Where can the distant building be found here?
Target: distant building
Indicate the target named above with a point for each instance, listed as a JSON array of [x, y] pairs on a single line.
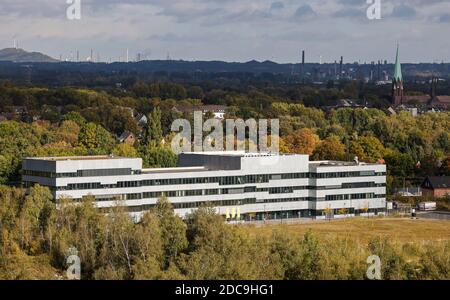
[[409, 192], [438, 186], [392, 111], [141, 119], [127, 137], [217, 110], [399, 98]]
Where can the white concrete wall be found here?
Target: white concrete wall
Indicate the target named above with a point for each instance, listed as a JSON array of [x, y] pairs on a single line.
[[249, 166]]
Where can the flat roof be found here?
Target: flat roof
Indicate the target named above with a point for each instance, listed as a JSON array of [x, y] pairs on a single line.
[[75, 158], [174, 170], [241, 153], [330, 163]]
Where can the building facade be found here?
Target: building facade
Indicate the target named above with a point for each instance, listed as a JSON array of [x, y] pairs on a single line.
[[239, 185], [399, 98], [436, 186]]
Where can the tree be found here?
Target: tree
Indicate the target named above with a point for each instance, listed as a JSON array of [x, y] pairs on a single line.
[[328, 212], [95, 139], [68, 132], [154, 133], [445, 167], [302, 141], [173, 230], [365, 209], [148, 244], [157, 157], [330, 149], [368, 148], [125, 150], [392, 263], [75, 117]]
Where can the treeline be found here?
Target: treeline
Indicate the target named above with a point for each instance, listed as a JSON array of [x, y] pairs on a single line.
[[36, 239], [412, 147], [73, 136]]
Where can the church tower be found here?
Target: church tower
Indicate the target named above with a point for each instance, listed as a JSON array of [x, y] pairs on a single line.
[[397, 82]]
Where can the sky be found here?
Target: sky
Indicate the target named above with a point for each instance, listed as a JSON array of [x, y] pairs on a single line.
[[231, 30]]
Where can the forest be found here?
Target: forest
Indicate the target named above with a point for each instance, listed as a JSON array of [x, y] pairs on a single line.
[[36, 238], [74, 121]]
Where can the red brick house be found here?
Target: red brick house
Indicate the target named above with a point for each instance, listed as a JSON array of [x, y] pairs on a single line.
[[438, 186], [127, 138]]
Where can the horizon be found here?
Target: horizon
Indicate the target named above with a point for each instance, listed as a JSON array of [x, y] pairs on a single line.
[[225, 61], [234, 31]]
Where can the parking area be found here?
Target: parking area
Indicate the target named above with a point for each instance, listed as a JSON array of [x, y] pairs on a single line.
[[437, 215]]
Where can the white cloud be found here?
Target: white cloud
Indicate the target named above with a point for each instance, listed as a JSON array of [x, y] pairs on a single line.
[[235, 30]]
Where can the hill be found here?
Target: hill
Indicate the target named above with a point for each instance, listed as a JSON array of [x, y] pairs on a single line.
[[20, 55]]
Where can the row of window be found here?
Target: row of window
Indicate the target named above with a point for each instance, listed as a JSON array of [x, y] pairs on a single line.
[[219, 203], [274, 190], [353, 196], [267, 215], [137, 196], [83, 173], [226, 180]]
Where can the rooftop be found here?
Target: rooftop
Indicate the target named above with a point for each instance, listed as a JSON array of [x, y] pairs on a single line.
[[239, 153], [333, 163], [174, 170], [74, 158]]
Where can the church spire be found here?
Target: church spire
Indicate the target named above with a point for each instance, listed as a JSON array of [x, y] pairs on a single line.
[[398, 67], [397, 82]]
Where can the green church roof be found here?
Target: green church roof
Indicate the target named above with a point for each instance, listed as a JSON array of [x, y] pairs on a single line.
[[398, 68]]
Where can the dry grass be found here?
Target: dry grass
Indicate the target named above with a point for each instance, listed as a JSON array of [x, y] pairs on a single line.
[[363, 229]]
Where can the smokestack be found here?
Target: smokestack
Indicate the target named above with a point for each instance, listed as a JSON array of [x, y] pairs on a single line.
[[341, 66], [302, 71], [335, 69], [379, 70]]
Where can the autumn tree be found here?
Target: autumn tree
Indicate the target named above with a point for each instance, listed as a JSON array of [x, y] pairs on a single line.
[[302, 141], [173, 230], [330, 149], [95, 139], [367, 148]]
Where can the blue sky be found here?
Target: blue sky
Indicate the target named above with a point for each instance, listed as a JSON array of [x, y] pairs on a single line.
[[231, 30]]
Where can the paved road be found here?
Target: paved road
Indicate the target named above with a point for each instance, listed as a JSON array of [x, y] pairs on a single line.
[[439, 215]]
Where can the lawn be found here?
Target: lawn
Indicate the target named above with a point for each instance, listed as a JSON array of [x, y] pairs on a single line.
[[362, 229]]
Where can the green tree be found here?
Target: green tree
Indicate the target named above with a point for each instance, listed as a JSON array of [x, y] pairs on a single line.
[[173, 230], [125, 150], [330, 149], [154, 132], [75, 117], [95, 139], [157, 157], [368, 148]]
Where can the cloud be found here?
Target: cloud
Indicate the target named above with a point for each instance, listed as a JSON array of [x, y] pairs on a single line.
[[228, 29], [403, 11], [349, 12], [277, 5], [304, 12], [445, 18]]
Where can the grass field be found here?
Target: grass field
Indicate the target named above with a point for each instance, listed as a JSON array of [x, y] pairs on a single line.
[[362, 229]]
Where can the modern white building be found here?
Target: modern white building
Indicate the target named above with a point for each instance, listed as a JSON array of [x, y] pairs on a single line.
[[239, 185]]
